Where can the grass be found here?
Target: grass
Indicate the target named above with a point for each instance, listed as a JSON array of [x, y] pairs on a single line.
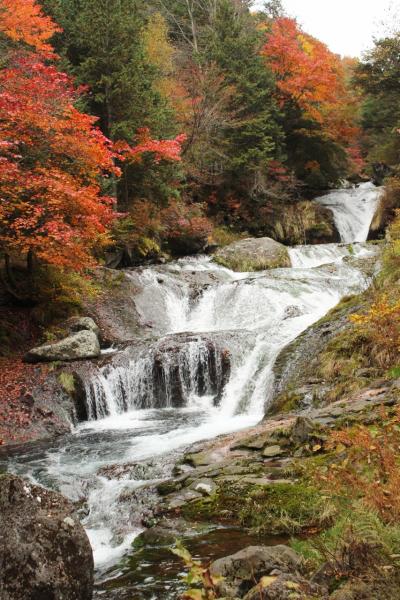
[[67, 382]]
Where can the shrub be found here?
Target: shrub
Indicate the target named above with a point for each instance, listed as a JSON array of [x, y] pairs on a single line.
[[370, 469]]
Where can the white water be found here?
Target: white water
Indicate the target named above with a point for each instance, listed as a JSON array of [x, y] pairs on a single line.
[[353, 210], [249, 316]]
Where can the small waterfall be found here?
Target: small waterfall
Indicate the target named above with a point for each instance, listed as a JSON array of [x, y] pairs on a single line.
[[203, 367], [353, 210], [172, 373]]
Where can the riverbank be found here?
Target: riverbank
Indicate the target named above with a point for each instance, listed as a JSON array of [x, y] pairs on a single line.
[[195, 363]]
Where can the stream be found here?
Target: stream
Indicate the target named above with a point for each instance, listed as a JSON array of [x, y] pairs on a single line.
[[205, 369]]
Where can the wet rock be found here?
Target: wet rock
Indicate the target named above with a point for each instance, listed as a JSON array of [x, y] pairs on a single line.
[[256, 442], [114, 311], [173, 376], [81, 345], [157, 536], [291, 312], [148, 470], [44, 551], [253, 254], [241, 570], [199, 459], [179, 499]]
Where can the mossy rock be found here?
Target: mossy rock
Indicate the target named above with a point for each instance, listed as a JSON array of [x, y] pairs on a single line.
[[253, 254]]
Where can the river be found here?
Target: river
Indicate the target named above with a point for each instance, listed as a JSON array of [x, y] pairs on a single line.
[[244, 319]]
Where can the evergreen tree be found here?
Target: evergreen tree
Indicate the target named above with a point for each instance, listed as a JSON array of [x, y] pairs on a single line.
[[252, 138], [103, 45]]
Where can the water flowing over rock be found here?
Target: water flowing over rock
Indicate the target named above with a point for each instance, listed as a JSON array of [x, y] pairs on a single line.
[[173, 372], [353, 210], [253, 254], [44, 550], [203, 342]]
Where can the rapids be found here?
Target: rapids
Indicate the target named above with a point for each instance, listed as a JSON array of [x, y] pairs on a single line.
[[177, 387]]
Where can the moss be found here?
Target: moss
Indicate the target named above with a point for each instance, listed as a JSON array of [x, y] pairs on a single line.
[[287, 402], [223, 236], [344, 306], [224, 505], [67, 381], [247, 265], [282, 507]]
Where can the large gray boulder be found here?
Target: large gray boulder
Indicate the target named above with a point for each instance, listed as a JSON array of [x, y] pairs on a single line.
[[242, 570], [253, 254], [45, 553], [84, 344]]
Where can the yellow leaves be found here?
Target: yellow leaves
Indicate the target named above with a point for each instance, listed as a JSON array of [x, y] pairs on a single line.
[[198, 574], [380, 326], [267, 581]]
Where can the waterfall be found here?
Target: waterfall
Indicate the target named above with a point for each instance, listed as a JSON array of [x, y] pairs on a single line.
[[172, 373], [203, 367], [353, 210], [253, 315]]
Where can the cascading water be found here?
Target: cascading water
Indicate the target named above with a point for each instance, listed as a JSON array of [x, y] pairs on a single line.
[[353, 210], [205, 367]]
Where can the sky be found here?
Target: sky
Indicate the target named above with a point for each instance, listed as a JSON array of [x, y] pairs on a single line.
[[346, 26]]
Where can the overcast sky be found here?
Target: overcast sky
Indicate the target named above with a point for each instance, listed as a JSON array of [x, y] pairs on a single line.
[[347, 26]]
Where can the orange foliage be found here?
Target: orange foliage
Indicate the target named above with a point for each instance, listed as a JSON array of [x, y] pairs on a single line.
[[381, 325], [371, 468], [23, 21], [312, 77], [53, 157]]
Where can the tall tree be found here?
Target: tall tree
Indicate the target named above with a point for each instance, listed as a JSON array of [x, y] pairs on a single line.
[[52, 155], [379, 77], [319, 124]]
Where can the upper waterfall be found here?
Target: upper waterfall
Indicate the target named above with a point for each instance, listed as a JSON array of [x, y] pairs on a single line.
[[353, 210]]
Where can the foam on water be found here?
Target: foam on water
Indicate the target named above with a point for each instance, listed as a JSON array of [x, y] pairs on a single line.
[[353, 210], [251, 316]]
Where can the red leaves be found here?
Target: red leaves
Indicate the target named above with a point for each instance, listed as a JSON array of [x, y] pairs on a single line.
[[15, 400], [160, 149], [312, 77], [51, 160], [53, 157]]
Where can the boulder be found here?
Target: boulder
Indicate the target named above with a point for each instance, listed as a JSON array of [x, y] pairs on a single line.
[[83, 324], [84, 344], [45, 553], [240, 571], [286, 587], [253, 254]]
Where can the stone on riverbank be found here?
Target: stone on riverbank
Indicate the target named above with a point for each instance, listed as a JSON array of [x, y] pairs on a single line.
[[242, 570], [253, 254], [44, 550], [83, 324], [81, 345]]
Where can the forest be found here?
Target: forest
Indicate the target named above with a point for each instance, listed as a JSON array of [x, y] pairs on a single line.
[[142, 144], [135, 130]]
